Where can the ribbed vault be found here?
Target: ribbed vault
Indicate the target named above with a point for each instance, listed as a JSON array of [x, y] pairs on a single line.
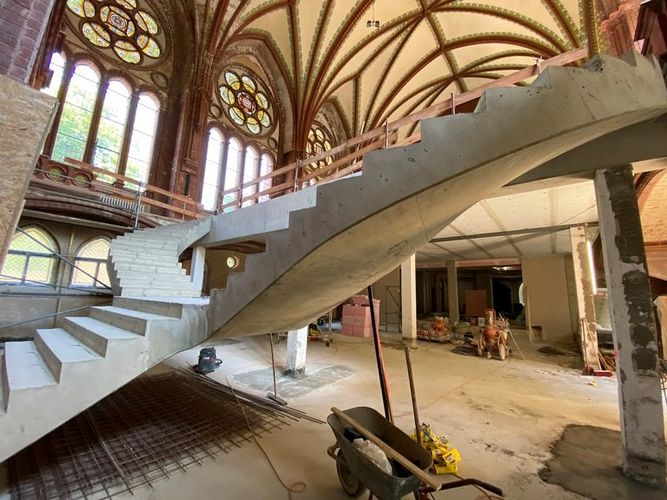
[[423, 51]]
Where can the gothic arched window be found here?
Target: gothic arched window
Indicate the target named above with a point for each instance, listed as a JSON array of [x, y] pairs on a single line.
[[91, 264], [210, 188], [31, 258]]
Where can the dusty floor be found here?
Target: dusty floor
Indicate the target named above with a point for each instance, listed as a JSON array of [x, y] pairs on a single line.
[[502, 416]]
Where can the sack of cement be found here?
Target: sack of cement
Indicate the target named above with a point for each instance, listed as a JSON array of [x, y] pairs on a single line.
[[373, 453]]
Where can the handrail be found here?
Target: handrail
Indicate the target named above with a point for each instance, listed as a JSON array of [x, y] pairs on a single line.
[[196, 206], [384, 136]]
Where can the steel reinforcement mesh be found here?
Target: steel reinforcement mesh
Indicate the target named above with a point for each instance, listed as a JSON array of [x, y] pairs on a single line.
[[148, 430]]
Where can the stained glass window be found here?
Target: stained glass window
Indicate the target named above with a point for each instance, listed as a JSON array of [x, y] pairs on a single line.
[[209, 197], [120, 24], [319, 141], [91, 262], [247, 105]]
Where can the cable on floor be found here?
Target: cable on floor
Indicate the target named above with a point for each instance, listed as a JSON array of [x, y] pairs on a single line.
[[297, 487]]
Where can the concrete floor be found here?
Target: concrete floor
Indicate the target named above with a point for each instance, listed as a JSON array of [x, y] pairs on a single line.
[[502, 416]]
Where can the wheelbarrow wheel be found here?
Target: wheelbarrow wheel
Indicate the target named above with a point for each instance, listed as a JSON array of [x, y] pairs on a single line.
[[352, 486]]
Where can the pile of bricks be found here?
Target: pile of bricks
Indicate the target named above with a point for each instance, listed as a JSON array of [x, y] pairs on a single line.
[[357, 316]]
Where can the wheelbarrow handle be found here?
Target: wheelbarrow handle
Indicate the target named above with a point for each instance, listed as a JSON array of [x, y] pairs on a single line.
[[473, 481], [331, 450]]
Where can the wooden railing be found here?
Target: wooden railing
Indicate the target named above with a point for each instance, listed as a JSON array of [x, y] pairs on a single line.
[[346, 158], [84, 178]]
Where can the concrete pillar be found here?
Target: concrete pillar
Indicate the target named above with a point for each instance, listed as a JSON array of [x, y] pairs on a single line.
[[197, 267], [297, 342], [25, 119], [633, 325], [583, 283], [452, 293], [409, 301], [661, 304]]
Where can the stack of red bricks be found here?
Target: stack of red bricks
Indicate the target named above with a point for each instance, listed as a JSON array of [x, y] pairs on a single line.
[[357, 316]]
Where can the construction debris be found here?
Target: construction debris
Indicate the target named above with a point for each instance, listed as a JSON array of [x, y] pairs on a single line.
[[433, 329]]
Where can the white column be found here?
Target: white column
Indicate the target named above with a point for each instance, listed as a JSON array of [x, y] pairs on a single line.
[[197, 267], [452, 293], [583, 283], [297, 342], [633, 326], [409, 301]]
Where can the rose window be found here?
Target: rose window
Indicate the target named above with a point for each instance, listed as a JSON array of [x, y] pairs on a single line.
[[120, 25], [318, 142], [247, 105]]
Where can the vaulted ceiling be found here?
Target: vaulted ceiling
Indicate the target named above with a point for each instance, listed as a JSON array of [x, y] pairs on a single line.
[[422, 51]]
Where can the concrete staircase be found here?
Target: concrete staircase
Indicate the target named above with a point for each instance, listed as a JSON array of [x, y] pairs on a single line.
[[156, 313], [145, 263], [364, 226], [322, 244]]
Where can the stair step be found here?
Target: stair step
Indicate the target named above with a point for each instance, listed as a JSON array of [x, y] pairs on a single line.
[[127, 319], [160, 244], [158, 292], [94, 333], [164, 308], [167, 268], [120, 252], [59, 348], [25, 368], [146, 259], [170, 281]]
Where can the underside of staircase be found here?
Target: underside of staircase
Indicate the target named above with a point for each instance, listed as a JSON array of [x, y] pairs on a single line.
[[322, 244]]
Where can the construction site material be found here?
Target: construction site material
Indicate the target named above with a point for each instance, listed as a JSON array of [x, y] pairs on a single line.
[[208, 361], [413, 393], [148, 430], [274, 396], [356, 318], [433, 330], [493, 338], [379, 358], [393, 442], [445, 458]]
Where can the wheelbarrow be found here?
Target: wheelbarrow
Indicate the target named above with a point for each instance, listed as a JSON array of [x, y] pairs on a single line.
[[357, 473]]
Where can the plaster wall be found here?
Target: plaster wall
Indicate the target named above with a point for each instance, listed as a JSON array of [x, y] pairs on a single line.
[[545, 280]]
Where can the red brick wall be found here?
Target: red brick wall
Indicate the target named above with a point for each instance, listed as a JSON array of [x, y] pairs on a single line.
[[22, 25]]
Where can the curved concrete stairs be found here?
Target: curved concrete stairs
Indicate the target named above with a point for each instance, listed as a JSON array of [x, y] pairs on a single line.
[[145, 263], [156, 313], [323, 244], [364, 226]]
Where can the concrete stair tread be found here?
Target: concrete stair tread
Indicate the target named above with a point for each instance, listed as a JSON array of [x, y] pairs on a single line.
[[132, 313], [65, 347], [26, 369], [102, 329]]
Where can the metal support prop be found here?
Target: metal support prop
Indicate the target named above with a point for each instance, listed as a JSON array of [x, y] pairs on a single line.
[[137, 207], [386, 134], [413, 394], [384, 387], [297, 169], [453, 97]]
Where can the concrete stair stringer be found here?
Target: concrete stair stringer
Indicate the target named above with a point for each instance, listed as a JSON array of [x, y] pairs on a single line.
[[364, 226]]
